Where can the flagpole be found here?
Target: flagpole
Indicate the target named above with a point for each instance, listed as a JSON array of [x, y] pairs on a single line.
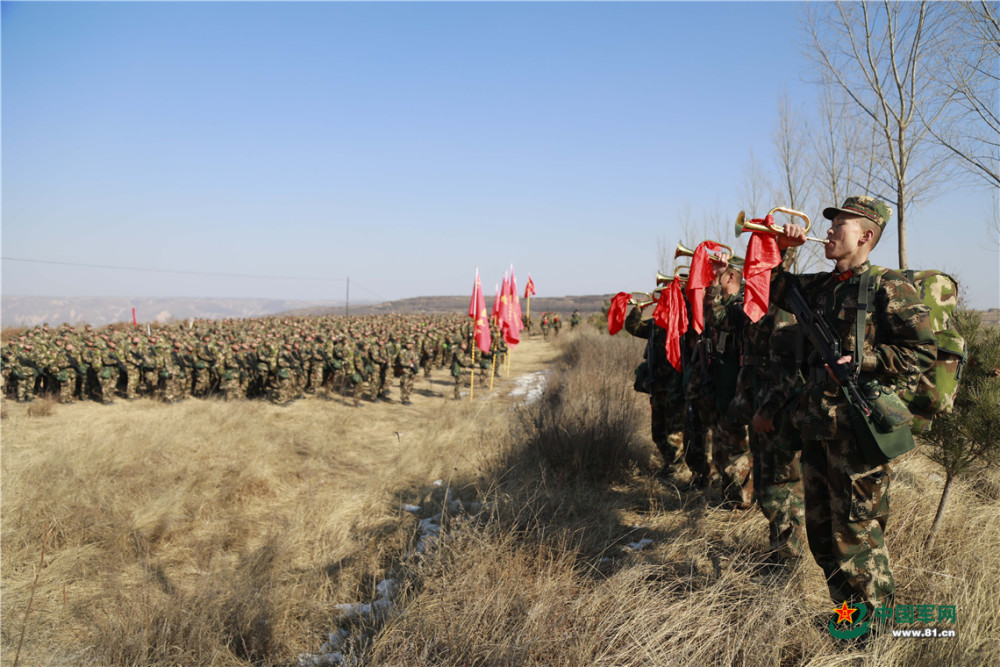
[[493, 369], [472, 373]]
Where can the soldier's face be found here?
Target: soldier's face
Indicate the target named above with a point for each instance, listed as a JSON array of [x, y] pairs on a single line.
[[844, 236]]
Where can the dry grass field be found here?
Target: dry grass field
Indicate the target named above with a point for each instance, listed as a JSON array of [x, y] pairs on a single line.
[[212, 533]]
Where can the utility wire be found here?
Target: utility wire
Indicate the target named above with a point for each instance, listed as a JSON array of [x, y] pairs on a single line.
[[182, 272]]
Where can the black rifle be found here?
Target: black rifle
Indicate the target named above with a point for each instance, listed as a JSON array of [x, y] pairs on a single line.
[[827, 344]]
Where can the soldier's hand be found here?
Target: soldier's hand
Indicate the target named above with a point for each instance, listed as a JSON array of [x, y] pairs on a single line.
[[762, 424], [792, 236], [846, 359]]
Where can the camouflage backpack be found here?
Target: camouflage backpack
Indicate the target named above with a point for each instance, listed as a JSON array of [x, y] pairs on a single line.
[[935, 390]]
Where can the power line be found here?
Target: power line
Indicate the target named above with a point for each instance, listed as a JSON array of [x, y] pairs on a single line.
[[183, 272]]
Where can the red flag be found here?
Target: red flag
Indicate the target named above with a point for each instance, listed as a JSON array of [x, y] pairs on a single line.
[[677, 321], [477, 294], [504, 311], [762, 256], [616, 313], [661, 314], [512, 330], [530, 287], [516, 310], [482, 331], [700, 277], [495, 314]]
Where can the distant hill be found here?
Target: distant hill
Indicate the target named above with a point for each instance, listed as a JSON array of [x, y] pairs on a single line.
[[460, 304], [19, 311], [28, 311]]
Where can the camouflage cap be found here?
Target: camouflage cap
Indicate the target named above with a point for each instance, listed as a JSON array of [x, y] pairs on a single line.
[[867, 207]]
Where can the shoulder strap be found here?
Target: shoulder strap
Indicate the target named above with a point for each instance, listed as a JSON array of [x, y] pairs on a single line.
[[861, 320]]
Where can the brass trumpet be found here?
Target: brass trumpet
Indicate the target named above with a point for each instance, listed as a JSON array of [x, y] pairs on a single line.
[[681, 251], [742, 224], [636, 300]]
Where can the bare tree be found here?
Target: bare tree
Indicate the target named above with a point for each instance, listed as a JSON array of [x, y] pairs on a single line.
[[972, 130], [755, 187], [887, 59], [796, 174]]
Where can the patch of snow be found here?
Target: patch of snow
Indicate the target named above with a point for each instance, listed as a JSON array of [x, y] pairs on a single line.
[[530, 385], [640, 545]]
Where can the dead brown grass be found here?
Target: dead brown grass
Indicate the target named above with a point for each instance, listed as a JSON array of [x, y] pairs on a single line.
[[224, 533]]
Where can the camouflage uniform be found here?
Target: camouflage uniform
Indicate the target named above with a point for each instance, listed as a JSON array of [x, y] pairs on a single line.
[[666, 393], [362, 376], [700, 407], [205, 360], [407, 364], [847, 500], [230, 360], [460, 359], [284, 389], [133, 368], [174, 374], [60, 372], [769, 380], [730, 447], [108, 376]]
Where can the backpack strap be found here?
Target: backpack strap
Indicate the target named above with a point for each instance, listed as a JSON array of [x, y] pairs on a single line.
[[861, 319]]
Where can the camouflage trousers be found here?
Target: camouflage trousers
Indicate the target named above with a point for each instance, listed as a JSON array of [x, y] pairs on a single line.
[[698, 437], [362, 387], [65, 381], [666, 417], [201, 384], [230, 385], [315, 380], [174, 383], [282, 390], [24, 384], [732, 458], [405, 386], [778, 487], [133, 380], [847, 505], [107, 378]]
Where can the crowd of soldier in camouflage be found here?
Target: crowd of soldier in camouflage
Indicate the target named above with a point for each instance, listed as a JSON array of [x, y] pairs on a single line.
[[277, 359], [550, 323], [764, 419]]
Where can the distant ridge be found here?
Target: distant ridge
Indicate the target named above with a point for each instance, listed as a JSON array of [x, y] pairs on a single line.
[[27, 311], [459, 304]]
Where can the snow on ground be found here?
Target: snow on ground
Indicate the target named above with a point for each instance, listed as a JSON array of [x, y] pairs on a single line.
[[530, 385], [330, 654]]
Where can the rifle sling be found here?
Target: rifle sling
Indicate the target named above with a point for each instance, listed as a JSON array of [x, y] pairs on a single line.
[[861, 320]]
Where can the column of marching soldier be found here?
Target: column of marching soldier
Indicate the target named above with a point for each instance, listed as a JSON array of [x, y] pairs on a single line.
[[276, 359], [757, 411]]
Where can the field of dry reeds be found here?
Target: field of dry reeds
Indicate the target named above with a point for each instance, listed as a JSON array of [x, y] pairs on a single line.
[[511, 531]]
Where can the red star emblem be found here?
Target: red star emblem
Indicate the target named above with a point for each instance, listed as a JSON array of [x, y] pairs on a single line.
[[844, 613]]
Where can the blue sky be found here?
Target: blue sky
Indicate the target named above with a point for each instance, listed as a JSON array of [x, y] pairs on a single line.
[[400, 144]]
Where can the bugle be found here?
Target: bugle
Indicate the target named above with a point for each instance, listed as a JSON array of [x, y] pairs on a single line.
[[644, 299], [743, 225], [682, 251]]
